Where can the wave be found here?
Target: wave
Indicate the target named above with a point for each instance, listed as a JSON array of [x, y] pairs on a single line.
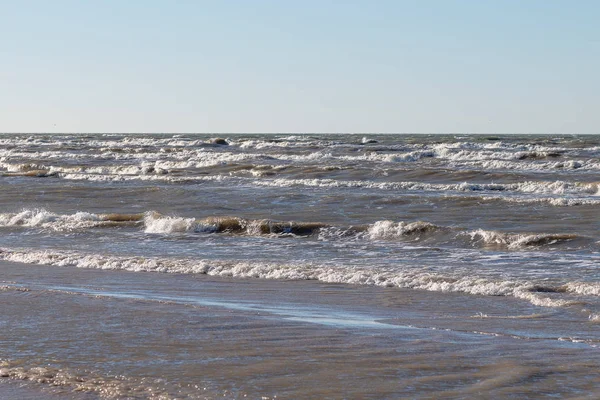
[[82, 142], [556, 193], [527, 187], [548, 166], [379, 230], [41, 218], [195, 160], [286, 148], [391, 229], [415, 278], [583, 288], [289, 142], [553, 201], [152, 222], [157, 223], [187, 159], [519, 240], [175, 140]]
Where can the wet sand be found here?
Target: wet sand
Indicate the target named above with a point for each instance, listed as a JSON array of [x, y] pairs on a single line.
[[116, 334], [10, 389]]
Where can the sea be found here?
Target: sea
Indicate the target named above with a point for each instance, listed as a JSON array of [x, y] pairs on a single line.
[[305, 266]]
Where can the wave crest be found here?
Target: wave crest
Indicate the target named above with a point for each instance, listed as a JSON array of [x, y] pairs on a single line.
[[391, 229], [415, 278], [517, 240]]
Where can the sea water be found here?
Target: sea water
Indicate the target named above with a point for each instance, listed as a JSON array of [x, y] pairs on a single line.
[[300, 266]]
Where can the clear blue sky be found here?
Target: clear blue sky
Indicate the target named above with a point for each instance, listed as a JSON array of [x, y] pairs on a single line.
[[300, 66]]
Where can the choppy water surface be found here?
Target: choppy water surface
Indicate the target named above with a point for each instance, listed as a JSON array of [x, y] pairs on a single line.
[[242, 266]]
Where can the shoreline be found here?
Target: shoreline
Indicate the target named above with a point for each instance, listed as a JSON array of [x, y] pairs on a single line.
[[26, 390], [144, 333]]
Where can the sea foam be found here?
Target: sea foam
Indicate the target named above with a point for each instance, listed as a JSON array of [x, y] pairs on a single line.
[[414, 278]]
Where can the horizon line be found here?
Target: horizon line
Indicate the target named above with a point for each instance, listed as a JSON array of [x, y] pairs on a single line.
[[293, 133]]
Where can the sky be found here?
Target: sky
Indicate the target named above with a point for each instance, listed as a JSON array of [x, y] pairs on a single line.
[[273, 66]]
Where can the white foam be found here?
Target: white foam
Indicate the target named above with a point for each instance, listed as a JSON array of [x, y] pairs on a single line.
[[415, 278], [538, 300], [528, 187], [126, 178], [80, 381], [553, 201], [517, 240], [155, 223], [538, 166], [143, 163], [594, 318], [391, 229], [584, 288], [287, 142], [48, 220]]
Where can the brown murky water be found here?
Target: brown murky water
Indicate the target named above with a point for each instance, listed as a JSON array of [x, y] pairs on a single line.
[[299, 267], [127, 335]]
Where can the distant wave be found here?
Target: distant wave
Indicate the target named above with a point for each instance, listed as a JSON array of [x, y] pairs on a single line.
[[192, 152], [261, 175], [535, 187]]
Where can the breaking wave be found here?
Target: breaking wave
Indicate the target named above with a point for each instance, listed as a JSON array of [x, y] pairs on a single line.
[[540, 187], [41, 218], [391, 229], [379, 230], [415, 278], [152, 222], [555, 193], [518, 241], [157, 223]]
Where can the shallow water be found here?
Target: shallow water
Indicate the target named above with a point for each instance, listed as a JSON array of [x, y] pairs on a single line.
[[121, 334], [301, 266]]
